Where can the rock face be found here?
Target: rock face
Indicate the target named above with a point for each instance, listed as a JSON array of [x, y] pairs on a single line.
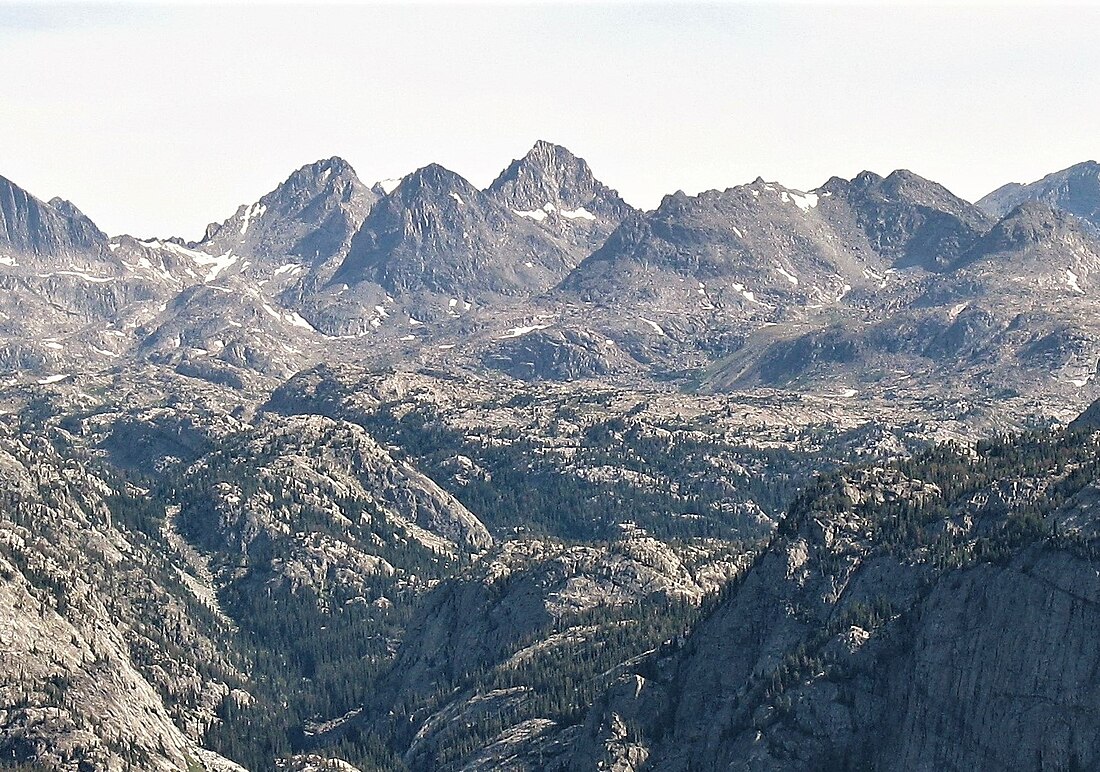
[[909, 220], [752, 248], [32, 228], [308, 219], [89, 613], [1075, 190], [557, 190], [566, 354], [437, 232], [525, 603], [851, 645]]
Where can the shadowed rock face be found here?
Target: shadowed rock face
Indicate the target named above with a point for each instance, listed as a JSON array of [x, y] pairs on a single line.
[[438, 233], [909, 220], [557, 190], [309, 218], [33, 228], [1075, 190]]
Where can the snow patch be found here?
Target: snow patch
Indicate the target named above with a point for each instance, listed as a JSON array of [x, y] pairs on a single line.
[[580, 213], [1071, 280], [517, 332], [746, 294], [536, 214], [844, 394], [787, 274], [214, 266], [656, 327], [805, 201], [953, 314], [253, 212], [54, 378]]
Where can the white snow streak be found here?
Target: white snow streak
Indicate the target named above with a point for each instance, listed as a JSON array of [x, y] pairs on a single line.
[[517, 332], [656, 327], [80, 275], [1071, 280], [254, 211], [789, 276], [579, 213], [295, 319], [537, 214]]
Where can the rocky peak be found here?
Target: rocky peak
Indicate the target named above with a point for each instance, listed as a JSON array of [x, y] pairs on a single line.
[[433, 181], [550, 174], [438, 232], [1075, 190], [1030, 223], [557, 190], [910, 220], [311, 215], [30, 226]]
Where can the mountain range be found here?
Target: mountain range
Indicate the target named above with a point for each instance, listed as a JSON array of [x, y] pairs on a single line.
[[413, 475]]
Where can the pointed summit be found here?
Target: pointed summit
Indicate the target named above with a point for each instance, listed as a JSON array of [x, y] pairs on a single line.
[[436, 232], [556, 189], [30, 226], [311, 216], [433, 179], [551, 174]]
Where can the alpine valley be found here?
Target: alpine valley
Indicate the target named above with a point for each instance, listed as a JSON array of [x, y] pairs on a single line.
[[420, 476]]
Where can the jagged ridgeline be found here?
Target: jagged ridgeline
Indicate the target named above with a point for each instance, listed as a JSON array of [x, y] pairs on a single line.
[[421, 476]]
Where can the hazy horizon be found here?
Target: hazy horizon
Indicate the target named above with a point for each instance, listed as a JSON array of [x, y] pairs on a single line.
[[156, 120]]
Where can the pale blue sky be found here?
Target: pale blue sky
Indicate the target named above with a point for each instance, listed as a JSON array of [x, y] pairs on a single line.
[[158, 119]]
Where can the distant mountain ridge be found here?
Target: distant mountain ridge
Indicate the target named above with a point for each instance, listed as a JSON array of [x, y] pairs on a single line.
[[1075, 190], [549, 274]]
